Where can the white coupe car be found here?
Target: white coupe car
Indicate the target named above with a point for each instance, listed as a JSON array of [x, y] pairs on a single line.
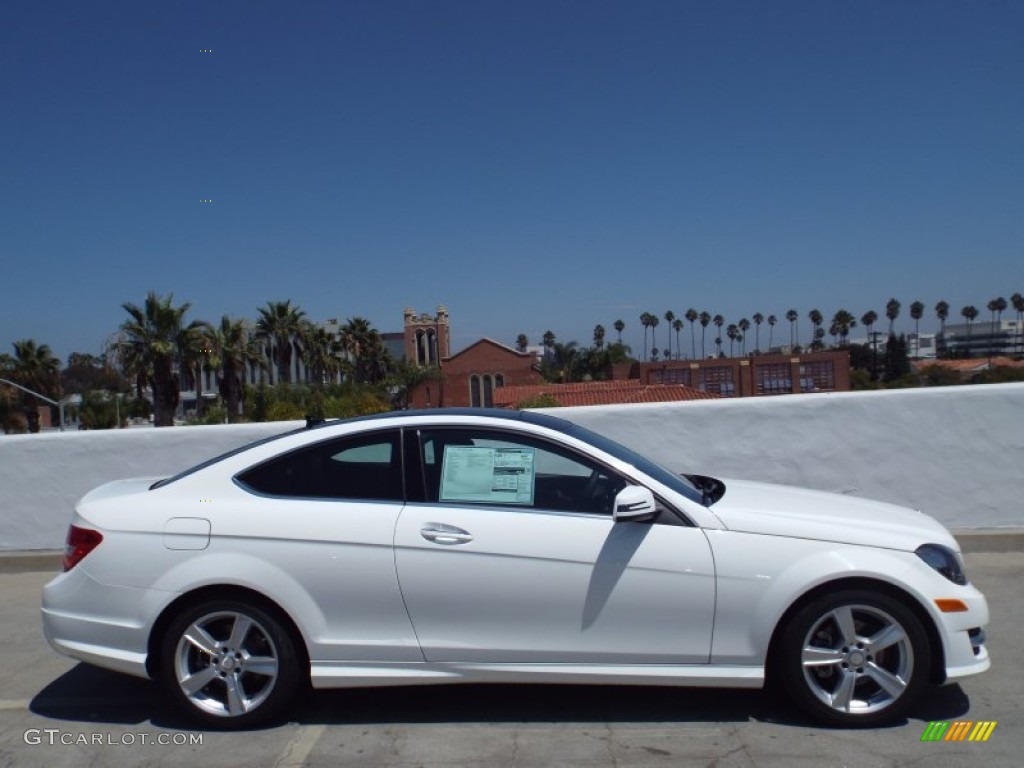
[[453, 546]]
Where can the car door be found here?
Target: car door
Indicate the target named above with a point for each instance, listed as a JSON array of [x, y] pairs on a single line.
[[324, 516], [512, 556]]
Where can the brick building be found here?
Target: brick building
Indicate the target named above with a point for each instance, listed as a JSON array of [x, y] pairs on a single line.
[[749, 376], [470, 377]]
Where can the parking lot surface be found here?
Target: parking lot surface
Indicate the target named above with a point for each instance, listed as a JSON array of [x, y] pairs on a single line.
[[55, 712]]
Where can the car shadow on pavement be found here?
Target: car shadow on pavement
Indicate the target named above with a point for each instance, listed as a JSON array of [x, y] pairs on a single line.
[[89, 694]]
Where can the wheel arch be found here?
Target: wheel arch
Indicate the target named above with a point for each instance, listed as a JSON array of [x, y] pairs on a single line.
[[937, 672], [221, 592]]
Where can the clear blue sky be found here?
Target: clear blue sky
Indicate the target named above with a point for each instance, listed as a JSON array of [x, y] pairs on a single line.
[[532, 165]]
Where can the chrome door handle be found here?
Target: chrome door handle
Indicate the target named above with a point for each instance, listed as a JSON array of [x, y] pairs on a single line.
[[439, 533]]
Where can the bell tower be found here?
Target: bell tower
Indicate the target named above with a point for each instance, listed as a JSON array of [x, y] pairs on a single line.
[[427, 339]]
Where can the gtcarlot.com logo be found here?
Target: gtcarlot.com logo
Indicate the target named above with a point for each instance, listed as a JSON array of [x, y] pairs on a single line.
[[958, 730], [53, 736]]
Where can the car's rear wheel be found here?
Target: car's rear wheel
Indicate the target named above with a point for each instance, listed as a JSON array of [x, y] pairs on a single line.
[[229, 663], [854, 658]]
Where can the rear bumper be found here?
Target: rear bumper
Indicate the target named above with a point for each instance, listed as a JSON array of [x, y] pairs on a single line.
[[97, 623]]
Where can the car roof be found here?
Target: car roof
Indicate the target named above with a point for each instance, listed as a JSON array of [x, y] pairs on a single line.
[[530, 417]]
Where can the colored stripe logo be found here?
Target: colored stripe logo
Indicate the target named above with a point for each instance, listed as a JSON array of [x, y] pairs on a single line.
[[958, 730]]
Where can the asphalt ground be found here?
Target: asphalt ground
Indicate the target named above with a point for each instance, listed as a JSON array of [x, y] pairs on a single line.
[[55, 712]]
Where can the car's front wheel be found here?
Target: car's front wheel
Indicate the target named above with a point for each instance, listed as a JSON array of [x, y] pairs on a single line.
[[229, 663], [854, 658]]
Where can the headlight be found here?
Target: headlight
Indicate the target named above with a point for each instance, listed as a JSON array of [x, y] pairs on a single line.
[[944, 560]]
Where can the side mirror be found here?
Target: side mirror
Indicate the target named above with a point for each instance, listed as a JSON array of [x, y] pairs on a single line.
[[634, 503]]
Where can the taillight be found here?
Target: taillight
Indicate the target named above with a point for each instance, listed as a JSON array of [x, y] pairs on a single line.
[[80, 542]]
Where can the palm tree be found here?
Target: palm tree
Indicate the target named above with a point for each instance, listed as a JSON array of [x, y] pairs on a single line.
[[677, 326], [669, 317], [654, 324], [868, 320], [917, 312], [718, 343], [772, 320], [548, 340], [149, 350], [719, 321], [733, 333], [322, 353], [844, 321], [618, 325], [363, 344], [892, 311], [599, 336], [942, 312], [691, 318], [279, 324], [522, 342], [744, 326], [792, 316], [34, 367], [705, 318], [1017, 301], [758, 319], [969, 313], [567, 362], [193, 353], [996, 307], [819, 335], [645, 322], [816, 319], [231, 349]]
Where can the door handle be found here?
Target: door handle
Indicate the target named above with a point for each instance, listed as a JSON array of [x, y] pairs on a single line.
[[439, 533]]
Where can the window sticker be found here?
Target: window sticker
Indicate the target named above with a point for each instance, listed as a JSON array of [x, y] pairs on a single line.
[[494, 475]]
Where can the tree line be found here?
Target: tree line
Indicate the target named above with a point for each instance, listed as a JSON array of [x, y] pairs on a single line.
[[158, 350], [737, 333], [571, 361]]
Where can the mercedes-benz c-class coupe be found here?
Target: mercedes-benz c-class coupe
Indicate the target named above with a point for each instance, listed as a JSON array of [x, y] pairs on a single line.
[[459, 546]]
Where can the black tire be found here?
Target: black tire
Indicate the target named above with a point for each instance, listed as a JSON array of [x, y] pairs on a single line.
[[867, 658], [229, 663]]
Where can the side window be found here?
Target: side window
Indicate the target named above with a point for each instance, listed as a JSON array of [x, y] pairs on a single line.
[[360, 467], [489, 467]]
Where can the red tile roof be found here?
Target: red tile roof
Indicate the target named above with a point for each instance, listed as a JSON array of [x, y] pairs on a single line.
[[599, 393], [970, 365]]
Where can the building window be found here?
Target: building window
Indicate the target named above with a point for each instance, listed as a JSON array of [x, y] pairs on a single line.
[[672, 376], [718, 380], [774, 379], [481, 389], [817, 375], [474, 391]]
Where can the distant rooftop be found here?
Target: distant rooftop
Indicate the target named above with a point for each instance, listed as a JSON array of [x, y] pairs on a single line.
[[972, 364]]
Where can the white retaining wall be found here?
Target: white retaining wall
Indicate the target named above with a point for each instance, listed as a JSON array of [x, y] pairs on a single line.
[[955, 452]]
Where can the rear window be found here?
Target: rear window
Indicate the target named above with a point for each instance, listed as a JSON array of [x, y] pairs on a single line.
[[361, 467]]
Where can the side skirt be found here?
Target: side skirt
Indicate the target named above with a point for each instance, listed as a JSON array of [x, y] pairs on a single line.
[[360, 674]]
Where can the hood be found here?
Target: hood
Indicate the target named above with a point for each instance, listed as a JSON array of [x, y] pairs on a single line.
[[779, 510]]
